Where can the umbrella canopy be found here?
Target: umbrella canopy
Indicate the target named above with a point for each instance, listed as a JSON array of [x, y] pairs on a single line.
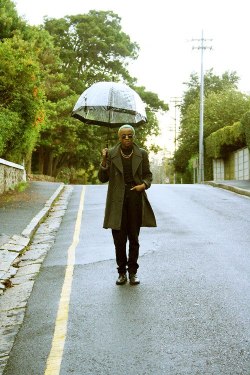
[[110, 104]]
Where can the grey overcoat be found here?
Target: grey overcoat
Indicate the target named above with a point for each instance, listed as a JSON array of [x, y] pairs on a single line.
[[113, 173]]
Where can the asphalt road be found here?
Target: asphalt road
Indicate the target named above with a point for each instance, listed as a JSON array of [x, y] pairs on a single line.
[[17, 210], [190, 314]]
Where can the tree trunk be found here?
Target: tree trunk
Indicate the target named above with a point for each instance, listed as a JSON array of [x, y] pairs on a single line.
[[28, 166], [41, 160], [55, 165], [50, 164]]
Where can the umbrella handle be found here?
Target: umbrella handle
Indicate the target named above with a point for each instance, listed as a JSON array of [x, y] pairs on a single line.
[[107, 141]]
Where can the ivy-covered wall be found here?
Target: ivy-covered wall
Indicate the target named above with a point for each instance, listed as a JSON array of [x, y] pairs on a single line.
[[226, 140], [245, 121], [222, 143]]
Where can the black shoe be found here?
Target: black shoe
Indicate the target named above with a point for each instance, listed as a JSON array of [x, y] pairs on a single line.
[[133, 279], [122, 279]]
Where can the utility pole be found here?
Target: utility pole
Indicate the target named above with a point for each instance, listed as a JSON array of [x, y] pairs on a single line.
[[201, 47], [177, 103]]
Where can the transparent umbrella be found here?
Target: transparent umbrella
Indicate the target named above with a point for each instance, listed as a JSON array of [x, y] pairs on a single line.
[[110, 104]]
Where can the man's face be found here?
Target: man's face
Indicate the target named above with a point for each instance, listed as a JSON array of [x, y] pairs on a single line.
[[126, 137]]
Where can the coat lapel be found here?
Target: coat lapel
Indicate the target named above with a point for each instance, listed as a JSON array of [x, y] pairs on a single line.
[[116, 158], [136, 159]]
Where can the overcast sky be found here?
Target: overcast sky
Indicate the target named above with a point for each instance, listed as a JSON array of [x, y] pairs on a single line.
[[165, 31]]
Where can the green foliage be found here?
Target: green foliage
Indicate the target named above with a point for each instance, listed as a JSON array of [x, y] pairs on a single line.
[[8, 122], [67, 175], [92, 47], [225, 140], [212, 83], [22, 186], [21, 94], [151, 99], [43, 70], [224, 109], [208, 169], [245, 122], [9, 19], [223, 106]]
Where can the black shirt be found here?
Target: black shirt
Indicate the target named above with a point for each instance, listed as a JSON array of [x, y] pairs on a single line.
[[127, 167]]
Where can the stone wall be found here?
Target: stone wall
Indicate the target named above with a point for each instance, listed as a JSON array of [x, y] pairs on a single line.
[[11, 174], [235, 167]]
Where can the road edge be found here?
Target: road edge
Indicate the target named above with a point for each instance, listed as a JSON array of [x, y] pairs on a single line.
[[234, 189], [16, 245]]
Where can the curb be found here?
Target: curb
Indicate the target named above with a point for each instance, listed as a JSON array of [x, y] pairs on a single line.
[[16, 245], [229, 187]]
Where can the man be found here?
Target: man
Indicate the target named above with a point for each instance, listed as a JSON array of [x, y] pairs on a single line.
[[126, 168]]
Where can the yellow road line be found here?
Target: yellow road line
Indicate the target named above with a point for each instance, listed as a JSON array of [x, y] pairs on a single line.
[[56, 353]]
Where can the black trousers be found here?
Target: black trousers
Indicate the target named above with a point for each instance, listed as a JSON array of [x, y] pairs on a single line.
[[130, 230]]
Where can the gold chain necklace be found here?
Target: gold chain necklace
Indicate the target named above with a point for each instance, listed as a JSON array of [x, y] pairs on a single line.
[[126, 156]]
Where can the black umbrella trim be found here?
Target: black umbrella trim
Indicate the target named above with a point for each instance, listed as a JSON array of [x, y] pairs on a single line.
[[110, 125], [85, 109]]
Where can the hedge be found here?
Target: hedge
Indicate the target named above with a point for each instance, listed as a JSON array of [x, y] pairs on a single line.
[[226, 140]]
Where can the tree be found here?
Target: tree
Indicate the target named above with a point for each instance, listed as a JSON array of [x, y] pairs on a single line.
[[22, 96], [57, 105], [224, 105], [43, 70], [93, 48], [9, 20], [245, 122], [212, 83]]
